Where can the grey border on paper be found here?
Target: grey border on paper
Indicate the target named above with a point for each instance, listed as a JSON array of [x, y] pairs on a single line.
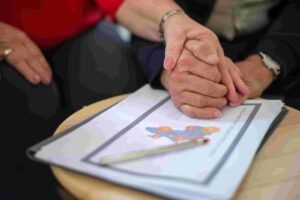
[[87, 159]]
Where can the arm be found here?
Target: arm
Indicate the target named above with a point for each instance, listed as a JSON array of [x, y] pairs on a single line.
[[282, 42], [109, 7], [143, 19]]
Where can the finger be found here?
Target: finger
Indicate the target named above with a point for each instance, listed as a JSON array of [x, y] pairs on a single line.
[[225, 76], [203, 50], [241, 99], [200, 113], [41, 71], [35, 53], [239, 84], [18, 61], [188, 63], [199, 101], [23, 68], [203, 86], [227, 81], [174, 47]]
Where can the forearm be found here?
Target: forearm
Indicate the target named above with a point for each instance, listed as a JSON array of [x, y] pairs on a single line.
[[282, 41], [143, 17]]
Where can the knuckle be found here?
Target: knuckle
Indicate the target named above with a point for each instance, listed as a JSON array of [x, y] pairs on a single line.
[[218, 77], [185, 60], [207, 87], [175, 101], [198, 46], [173, 91], [217, 90], [180, 97], [199, 100], [30, 59], [223, 91], [215, 75], [213, 36], [36, 54], [187, 110], [17, 61], [205, 101], [220, 102], [176, 77]]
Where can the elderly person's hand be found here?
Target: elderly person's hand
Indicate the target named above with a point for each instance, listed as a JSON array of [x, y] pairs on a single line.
[[194, 87], [256, 75], [25, 56], [179, 29], [231, 76], [182, 32]]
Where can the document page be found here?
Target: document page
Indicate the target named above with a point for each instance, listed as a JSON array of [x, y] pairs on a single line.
[[165, 125], [148, 119]]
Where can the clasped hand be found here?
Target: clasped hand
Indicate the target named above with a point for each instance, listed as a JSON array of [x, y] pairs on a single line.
[[197, 75]]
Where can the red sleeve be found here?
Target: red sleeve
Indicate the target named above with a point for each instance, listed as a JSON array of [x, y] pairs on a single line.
[[109, 7]]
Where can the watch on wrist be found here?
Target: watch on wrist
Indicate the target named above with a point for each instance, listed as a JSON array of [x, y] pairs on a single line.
[[271, 64]]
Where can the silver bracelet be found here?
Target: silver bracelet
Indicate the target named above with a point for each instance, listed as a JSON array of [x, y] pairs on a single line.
[[164, 19]]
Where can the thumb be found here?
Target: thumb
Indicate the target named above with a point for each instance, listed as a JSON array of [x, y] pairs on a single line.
[[203, 50], [174, 47]]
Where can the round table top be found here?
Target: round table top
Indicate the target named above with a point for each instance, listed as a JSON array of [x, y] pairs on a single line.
[[87, 187]]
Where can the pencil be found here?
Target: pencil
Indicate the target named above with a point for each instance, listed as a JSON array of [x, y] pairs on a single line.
[[133, 155]]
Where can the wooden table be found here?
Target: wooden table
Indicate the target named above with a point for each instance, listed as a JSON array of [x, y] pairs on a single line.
[[274, 173]]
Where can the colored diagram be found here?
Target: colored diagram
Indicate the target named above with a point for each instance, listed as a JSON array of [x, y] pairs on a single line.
[[189, 133]]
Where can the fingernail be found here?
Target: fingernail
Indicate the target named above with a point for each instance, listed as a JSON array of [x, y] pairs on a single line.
[[36, 79], [217, 114], [168, 63]]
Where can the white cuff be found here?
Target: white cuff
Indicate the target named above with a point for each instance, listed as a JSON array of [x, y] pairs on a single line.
[[271, 64]]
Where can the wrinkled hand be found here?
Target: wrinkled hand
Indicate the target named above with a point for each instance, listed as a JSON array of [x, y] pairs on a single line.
[[179, 29], [256, 75], [26, 57], [182, 32], [238, 84], [194, 87], [231, 76]]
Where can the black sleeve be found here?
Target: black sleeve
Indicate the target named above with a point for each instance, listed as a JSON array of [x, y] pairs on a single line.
[[151, 56], [282, 42]]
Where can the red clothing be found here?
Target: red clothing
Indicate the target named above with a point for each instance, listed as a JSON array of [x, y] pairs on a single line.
[[50, 22]]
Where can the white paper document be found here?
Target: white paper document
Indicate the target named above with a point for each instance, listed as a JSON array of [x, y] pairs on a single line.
[[148, 119]]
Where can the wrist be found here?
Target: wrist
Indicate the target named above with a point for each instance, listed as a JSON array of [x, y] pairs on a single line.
[[270, 64], [263, 74], [164, 21]]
